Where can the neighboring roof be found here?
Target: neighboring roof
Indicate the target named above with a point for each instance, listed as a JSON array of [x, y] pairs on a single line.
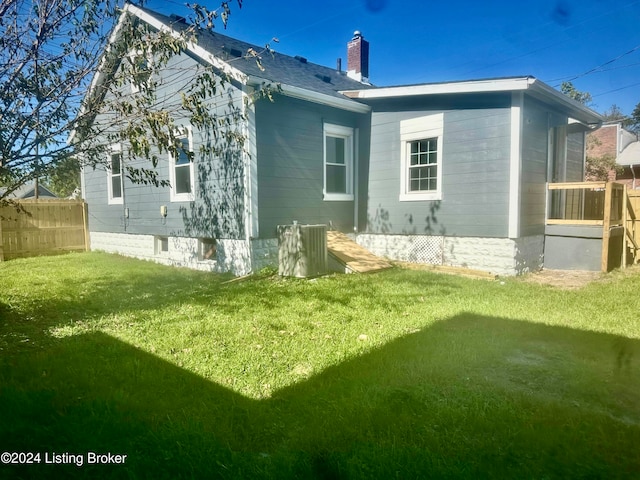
[[28, 190], [630, 155], [528, 84]]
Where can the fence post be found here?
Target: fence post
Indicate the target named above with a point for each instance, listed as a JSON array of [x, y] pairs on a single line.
[[606, 227], [85, 219], [2, 209], [625, 201]]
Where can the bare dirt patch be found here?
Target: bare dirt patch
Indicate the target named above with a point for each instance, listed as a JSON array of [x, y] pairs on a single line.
[[565, 279]]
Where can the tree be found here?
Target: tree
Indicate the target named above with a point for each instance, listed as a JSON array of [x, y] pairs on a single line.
[[598, 168], [614, 113], [583, 97], [51, 50], [64, 178], [48, 52], [635, 119]]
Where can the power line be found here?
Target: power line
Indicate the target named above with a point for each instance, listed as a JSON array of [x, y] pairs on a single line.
[[596, 69]]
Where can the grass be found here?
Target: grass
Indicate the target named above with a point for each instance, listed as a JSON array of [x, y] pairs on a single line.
[[400, 374]]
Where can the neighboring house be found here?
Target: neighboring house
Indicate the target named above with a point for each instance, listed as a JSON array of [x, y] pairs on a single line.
[[612, 140], [452, 173], [28, 190]]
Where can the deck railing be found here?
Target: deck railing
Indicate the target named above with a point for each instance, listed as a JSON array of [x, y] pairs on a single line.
[[608, 204]]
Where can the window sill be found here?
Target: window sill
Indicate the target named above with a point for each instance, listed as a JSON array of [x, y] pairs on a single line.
[[183, 197], [420, 197], [338, 197], [115, 201]]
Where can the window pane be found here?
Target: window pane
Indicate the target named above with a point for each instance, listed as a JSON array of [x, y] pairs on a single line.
[[336, 179], [423, 178], [183, 158], [116, 186], [335, 149], [183, 179], [423, 165], [115, 163]]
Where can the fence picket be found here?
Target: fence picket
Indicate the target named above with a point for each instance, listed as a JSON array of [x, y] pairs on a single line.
[[48, 227]]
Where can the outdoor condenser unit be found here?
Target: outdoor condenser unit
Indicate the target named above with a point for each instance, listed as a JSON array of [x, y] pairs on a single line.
[[302, 250]]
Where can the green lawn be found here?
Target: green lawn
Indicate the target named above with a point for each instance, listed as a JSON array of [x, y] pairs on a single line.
[[400, 374]]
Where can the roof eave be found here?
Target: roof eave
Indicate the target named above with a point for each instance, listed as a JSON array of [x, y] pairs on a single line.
[[530, 85], [315, 97], [574, 109]]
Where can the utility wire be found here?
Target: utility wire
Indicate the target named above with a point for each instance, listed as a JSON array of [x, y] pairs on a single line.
[[596, 69]]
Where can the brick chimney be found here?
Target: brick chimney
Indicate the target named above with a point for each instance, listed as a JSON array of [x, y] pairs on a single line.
[[358, 58]]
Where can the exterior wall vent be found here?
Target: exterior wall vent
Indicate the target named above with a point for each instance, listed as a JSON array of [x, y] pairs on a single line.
[[232, 52], [302, 250]]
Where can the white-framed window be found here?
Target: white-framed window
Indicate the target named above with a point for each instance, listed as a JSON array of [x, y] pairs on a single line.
[[338, 162], [181, 170], [115, 176], [421, 158]]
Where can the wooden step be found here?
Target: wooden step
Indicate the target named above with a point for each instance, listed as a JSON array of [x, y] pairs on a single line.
[[353, 256]]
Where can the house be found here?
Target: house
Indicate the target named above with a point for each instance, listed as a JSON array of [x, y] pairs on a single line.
[[28, 190], [450, 173], [612, 140]]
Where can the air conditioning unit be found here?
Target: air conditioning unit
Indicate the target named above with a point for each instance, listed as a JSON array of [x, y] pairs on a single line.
[[302, 250]]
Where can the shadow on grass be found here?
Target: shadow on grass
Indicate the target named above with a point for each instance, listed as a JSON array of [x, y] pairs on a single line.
[[471, 396]]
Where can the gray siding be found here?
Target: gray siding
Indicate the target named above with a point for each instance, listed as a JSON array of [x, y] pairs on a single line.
[[538, 120], [218, 209], [475, 172], [535, 154], [575, 156], [290, 164]]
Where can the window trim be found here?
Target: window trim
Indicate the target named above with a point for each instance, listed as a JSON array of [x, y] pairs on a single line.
[[416, 129], [346, 133], [184, 132], [207, 249], [111, 200], [159, 241]]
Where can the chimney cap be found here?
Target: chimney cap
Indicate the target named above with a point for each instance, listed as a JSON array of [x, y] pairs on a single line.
[[357, 34]]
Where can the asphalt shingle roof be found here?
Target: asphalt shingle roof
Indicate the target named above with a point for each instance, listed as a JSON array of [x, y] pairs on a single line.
[[278, 68]]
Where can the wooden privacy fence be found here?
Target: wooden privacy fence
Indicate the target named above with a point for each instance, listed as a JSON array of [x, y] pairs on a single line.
[[608, 204], [43, 227]]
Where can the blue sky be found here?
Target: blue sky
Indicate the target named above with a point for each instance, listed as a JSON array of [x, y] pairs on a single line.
[[593, 43]]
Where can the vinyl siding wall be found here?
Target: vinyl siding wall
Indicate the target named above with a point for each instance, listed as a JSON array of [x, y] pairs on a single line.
[[218, 209], [575, 156], [475, 170], [290, 164], [535, 157]]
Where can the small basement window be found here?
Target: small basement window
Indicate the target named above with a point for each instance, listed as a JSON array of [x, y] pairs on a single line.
[[207, 248], [162, 245]]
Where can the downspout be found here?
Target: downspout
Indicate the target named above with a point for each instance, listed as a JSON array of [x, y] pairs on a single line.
[[356, 163], [249, 155], [125, 210]]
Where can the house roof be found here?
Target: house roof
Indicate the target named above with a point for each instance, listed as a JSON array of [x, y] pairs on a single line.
[[28, 190], [527, 84], [299, 78], [296, 75]]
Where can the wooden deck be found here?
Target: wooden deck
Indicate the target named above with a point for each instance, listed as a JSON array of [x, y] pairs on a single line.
[[354, 257], [607, 204]]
